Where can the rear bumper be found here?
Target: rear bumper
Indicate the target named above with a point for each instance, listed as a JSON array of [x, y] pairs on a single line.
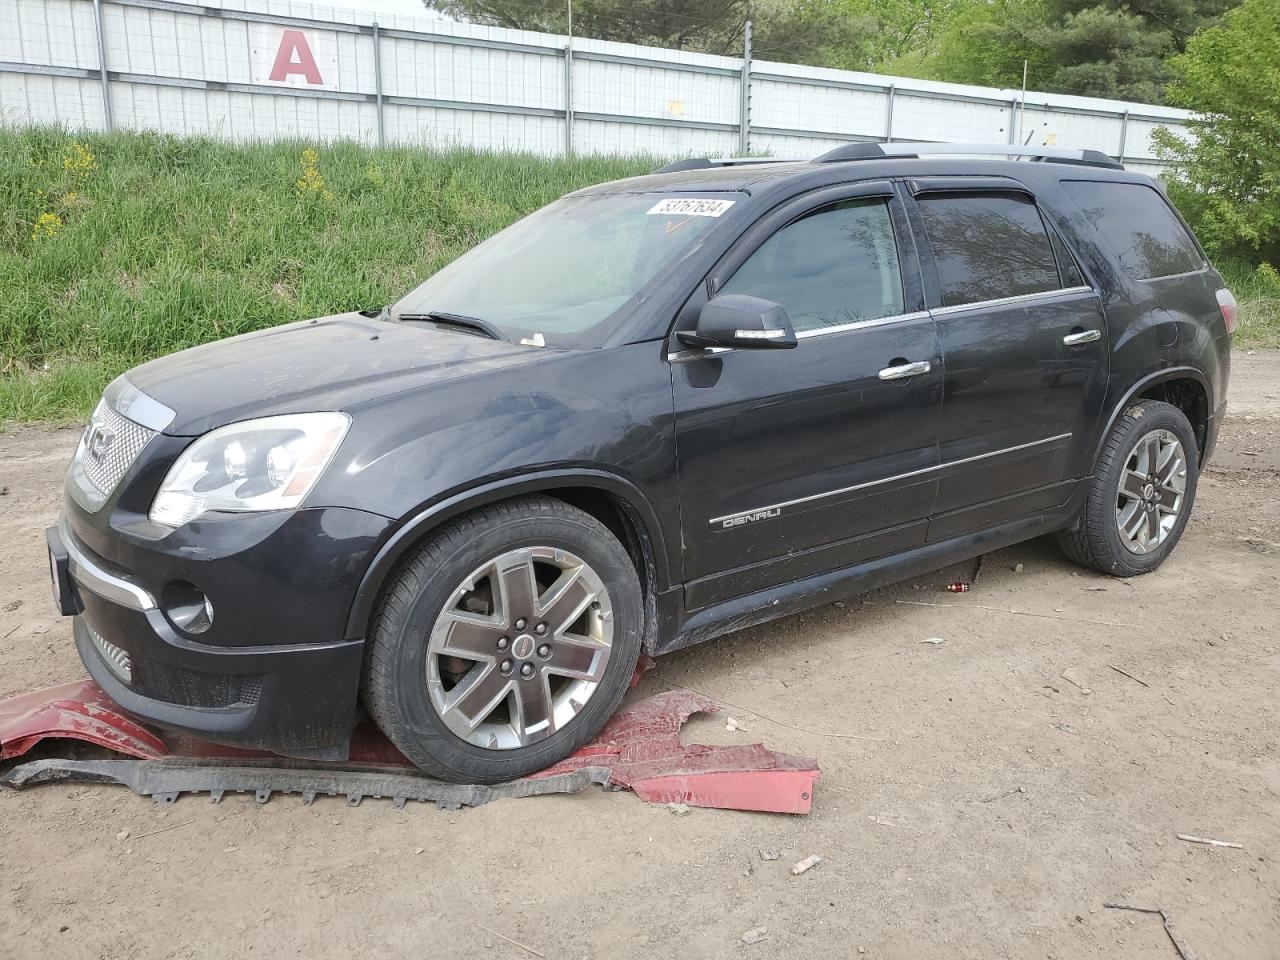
[[293, 698]]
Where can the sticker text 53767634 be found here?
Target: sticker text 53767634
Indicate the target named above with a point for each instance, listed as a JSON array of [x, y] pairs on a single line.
[[690, 207]]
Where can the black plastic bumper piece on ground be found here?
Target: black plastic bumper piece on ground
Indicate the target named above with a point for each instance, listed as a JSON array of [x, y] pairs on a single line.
[[166, 780]]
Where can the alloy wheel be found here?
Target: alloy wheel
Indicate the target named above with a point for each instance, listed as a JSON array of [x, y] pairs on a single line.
[[519, 648], [1152, 490]]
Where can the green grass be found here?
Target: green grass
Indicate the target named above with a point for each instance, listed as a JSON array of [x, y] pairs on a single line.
[[162, 243], [150, 244]]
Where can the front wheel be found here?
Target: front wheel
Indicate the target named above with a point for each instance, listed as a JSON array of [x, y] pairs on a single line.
[[1141, 494], [504, 642]]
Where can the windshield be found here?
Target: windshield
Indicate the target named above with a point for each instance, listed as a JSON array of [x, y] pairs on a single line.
[[563, 274]]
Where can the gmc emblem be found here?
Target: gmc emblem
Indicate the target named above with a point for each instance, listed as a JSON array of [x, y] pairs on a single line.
[[98, 442]]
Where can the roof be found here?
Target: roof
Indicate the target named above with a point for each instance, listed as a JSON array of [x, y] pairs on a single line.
[[759, 176]]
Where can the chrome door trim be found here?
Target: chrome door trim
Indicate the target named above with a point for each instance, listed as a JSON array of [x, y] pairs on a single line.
[[1005, 301], [1084, 336], [697, 353], [1175, 276], [906, 370], [765, 512], [858, 324]]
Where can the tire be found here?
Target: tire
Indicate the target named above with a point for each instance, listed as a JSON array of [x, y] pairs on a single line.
[[1147, 431], [445, 673]]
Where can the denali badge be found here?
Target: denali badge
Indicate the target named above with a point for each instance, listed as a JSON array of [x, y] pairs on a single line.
[[766, 514]]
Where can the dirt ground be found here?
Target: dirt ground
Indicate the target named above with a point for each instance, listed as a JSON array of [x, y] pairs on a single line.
[[973, 802]]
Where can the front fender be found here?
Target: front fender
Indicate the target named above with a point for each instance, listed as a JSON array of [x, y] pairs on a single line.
[[422, 522]]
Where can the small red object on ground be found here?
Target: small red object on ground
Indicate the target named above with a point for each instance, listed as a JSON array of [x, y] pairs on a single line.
[[958, 587]]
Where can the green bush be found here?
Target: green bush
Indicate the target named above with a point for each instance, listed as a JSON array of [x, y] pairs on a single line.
[[1228, 181], [115, 249]]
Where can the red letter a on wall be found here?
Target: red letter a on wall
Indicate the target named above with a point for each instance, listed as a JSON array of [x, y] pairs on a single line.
[[294, 56]]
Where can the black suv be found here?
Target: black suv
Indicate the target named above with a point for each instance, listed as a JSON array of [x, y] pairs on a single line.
[[653, 412]]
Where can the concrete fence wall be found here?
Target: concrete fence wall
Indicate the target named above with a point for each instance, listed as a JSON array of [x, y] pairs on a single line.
[[266, 69]]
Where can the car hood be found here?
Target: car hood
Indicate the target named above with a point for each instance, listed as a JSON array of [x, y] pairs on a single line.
[[333, 363]]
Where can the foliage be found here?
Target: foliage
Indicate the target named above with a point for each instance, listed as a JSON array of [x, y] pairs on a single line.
[[982, 43], [158, 243], [1105, 48], [708, 26], [1228, 183], [1110, 48], [1258, 291], [1115, 48]]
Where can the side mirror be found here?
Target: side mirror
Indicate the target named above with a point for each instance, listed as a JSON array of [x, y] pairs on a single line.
[[737, 320]]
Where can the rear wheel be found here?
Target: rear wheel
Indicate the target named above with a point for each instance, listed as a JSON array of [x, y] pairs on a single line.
[[1141, 495], [505, 641]]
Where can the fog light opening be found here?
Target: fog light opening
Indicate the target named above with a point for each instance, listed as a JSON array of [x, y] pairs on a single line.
[[186, 606]]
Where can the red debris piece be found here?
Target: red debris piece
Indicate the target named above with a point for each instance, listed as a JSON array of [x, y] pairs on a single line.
[[77, 711], [643, 666], [958, 587], [641, 745]]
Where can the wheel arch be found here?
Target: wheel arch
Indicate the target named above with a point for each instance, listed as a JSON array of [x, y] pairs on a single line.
[[614, 501], [1187, 388]]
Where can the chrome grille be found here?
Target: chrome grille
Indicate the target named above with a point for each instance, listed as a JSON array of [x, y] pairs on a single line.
[[117, 661], [110, 445]]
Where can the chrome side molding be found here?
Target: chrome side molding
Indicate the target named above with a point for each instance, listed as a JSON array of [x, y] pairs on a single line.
[[774, 510]]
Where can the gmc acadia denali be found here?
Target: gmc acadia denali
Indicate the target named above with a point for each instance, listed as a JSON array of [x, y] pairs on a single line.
[[653, 412]]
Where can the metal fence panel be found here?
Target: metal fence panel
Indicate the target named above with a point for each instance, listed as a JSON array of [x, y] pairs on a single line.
[[266, 69]]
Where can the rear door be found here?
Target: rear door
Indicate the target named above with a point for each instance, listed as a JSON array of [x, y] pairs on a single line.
[[795, 462], [1024, 343]]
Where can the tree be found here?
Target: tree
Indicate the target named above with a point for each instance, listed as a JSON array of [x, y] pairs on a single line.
[[709, 26], [1112, 48], [981, 42], [1228, 181], [1106, 48], [818, 32]]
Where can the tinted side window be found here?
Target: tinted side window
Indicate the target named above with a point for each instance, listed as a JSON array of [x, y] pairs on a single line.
[[836, 265], [988, 246], [1137, 223]]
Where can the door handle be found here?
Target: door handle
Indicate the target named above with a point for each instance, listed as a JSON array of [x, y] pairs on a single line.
[[1077, 337], [905, 370]]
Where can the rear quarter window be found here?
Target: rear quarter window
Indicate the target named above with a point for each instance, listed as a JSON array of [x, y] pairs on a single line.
[[1139, 226]]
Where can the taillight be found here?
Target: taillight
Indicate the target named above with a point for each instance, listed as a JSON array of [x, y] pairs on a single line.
[[1230, 309]]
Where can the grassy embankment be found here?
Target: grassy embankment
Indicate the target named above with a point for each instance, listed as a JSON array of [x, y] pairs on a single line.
[[115, 249]]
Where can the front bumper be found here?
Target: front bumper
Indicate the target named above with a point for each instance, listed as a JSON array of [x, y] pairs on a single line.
[[292, 693]]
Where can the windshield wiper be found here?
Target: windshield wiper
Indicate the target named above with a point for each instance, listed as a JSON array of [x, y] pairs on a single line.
[[482, 327]]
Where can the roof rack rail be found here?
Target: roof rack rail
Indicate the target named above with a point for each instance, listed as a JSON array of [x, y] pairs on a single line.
[[707, 163], [877, 151]]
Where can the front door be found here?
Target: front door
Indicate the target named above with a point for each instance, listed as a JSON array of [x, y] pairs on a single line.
[[1024, 343], [795, 462]]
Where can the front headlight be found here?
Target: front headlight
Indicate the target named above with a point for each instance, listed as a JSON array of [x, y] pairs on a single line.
[[267, 464]]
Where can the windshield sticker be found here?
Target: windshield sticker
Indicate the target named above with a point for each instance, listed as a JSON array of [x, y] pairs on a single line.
[[690, 207]]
